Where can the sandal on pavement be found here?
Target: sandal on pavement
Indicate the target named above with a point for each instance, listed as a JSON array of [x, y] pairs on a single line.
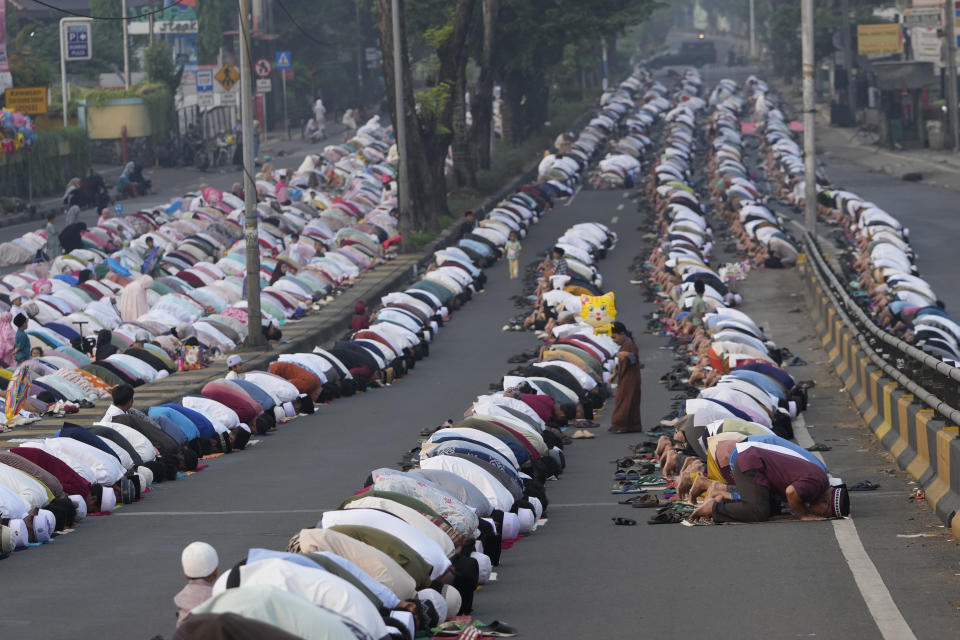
[[624, 522], [628, 488], [666, 517], [646, 501], [864, 485], [632, 499]]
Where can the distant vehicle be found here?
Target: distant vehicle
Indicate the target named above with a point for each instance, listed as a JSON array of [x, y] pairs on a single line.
[[692, 52]]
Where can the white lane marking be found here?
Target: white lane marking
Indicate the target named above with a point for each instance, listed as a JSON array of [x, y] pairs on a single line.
[[875, 594], [570, 200], [614, 219], [620, 207], [626, 194], [220, 513]]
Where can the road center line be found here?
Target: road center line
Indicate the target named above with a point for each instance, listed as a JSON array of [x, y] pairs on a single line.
[[570, 200], [875, 594], [620, 207], [614, 219]]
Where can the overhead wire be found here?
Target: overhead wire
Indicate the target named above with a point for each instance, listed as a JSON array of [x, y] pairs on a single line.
[[147, 14]]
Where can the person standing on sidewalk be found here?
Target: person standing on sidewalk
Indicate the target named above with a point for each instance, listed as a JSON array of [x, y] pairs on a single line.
[[513, 248]]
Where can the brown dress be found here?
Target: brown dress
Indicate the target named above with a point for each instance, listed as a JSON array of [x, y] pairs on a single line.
[[626, 411]]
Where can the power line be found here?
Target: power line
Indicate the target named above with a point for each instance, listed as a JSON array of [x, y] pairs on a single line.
[[300, 27], [175, 3]]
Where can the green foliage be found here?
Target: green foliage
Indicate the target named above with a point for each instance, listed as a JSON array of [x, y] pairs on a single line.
[[433, 101], [158, 59], [49, 170], [211, 16], [422, 238], [434, 37], [444, 221]]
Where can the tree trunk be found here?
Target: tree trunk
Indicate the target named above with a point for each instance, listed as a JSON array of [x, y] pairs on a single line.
[[482, 107], [537, 105], [428, 134], [511, 110], [463, 167]]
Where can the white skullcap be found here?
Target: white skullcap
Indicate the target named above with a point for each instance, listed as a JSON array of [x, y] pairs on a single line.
[[108, 501], [792, 404], [454, 601], [279, 414], [289, 410], [559, 282], [493, 524], [486, 567], [234, 360], [199, 560], [81, 506], [406, 619], [44, 524], [18, 531], [146, 477], [537, 506], [143, 482], [433, 597], [527, 520], [511, 526], [6, 540], [477, 545]]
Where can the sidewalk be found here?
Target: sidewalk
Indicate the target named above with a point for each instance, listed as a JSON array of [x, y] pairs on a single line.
[[842, 146]]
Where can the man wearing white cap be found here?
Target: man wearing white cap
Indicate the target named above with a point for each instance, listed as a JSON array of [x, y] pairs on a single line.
[[200, 566], [235, 367]]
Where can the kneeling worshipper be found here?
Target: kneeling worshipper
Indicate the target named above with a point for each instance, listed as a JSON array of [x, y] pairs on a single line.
[[766, 474], [200, 564], [78, 489]]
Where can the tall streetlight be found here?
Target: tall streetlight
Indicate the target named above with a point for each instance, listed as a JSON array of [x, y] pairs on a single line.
[[400, 126], [251, 228], [809, 110]]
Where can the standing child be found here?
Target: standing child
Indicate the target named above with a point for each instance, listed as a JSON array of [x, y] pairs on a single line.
[[513, 247]]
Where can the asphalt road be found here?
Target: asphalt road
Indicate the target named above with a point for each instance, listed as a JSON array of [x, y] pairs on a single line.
[[579, 577]]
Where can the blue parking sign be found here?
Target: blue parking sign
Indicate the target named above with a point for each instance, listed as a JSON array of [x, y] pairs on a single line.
[[283, 60], [78, 41]]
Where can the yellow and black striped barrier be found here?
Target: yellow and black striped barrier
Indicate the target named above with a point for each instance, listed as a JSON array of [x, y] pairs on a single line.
[[921, 441]]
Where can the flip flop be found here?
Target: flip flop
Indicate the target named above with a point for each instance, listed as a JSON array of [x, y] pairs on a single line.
[[864, 485], [634, 499], [666, 517], [628, 488], [646, 501], [496, 629], [624, 522], [820, 447]]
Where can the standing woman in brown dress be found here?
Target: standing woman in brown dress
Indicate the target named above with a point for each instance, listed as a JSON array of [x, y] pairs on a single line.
[[626, 411]]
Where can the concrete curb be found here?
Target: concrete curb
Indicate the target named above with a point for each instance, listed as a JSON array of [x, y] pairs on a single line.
[[921, 443]]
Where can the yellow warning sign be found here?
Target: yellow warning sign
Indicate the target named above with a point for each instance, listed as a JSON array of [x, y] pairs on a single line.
[[29, 100], [228, 76]]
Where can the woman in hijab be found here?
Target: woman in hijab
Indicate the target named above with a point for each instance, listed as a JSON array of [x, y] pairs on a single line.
[[626, 411], [70, 237], [105, 348], [8, 337], [125, 183], [133, 299], [278, 272], [71, 216]]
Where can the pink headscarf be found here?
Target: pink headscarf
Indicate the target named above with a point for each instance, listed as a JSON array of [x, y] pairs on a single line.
[[8, 338], [133, 300]]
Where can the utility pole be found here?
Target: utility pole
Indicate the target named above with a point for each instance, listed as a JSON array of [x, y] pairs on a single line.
[[603, 51], [950, 65], [251, 226], [809, 111], [400, 126], [126, 45], [848, 58], [753, 30]]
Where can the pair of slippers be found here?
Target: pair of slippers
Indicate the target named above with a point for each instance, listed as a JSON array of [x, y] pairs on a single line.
[[643, 501], [582, 434]]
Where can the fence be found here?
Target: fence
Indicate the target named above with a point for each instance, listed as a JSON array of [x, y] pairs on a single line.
[[211, 121]]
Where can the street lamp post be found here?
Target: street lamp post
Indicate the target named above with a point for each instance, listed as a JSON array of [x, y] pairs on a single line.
[[809, 111], [251, 224], [400, 126]]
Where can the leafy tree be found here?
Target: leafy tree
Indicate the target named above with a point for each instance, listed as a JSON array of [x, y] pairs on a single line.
[[211, 18]]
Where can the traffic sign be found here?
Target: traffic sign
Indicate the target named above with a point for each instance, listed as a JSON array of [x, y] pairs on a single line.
[[264, 85], [228, 76], [78, 41], [283, 60], [204, 80], [263, 68], [29, 100]]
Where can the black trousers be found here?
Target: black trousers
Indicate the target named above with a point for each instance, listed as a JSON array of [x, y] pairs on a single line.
[[754, 504]]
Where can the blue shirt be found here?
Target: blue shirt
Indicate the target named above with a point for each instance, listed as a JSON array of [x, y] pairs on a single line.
[[21, 346]]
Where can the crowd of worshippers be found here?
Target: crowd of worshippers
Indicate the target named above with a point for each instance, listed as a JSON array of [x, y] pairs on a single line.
[[406, 553], [733, 436], [92, 469], [879, 265], [144, 294]]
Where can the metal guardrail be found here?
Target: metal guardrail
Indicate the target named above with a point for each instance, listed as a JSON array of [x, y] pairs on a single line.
[[929, 379]]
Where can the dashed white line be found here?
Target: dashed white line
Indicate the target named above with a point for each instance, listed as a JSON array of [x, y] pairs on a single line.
[[570, 201], [614, 219], [619, 207]]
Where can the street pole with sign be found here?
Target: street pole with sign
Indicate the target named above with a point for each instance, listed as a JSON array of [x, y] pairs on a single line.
[[403, 182], [126, 45], [283, 64], [75, 44], [809, 113], [251, 228], [950, 52]]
